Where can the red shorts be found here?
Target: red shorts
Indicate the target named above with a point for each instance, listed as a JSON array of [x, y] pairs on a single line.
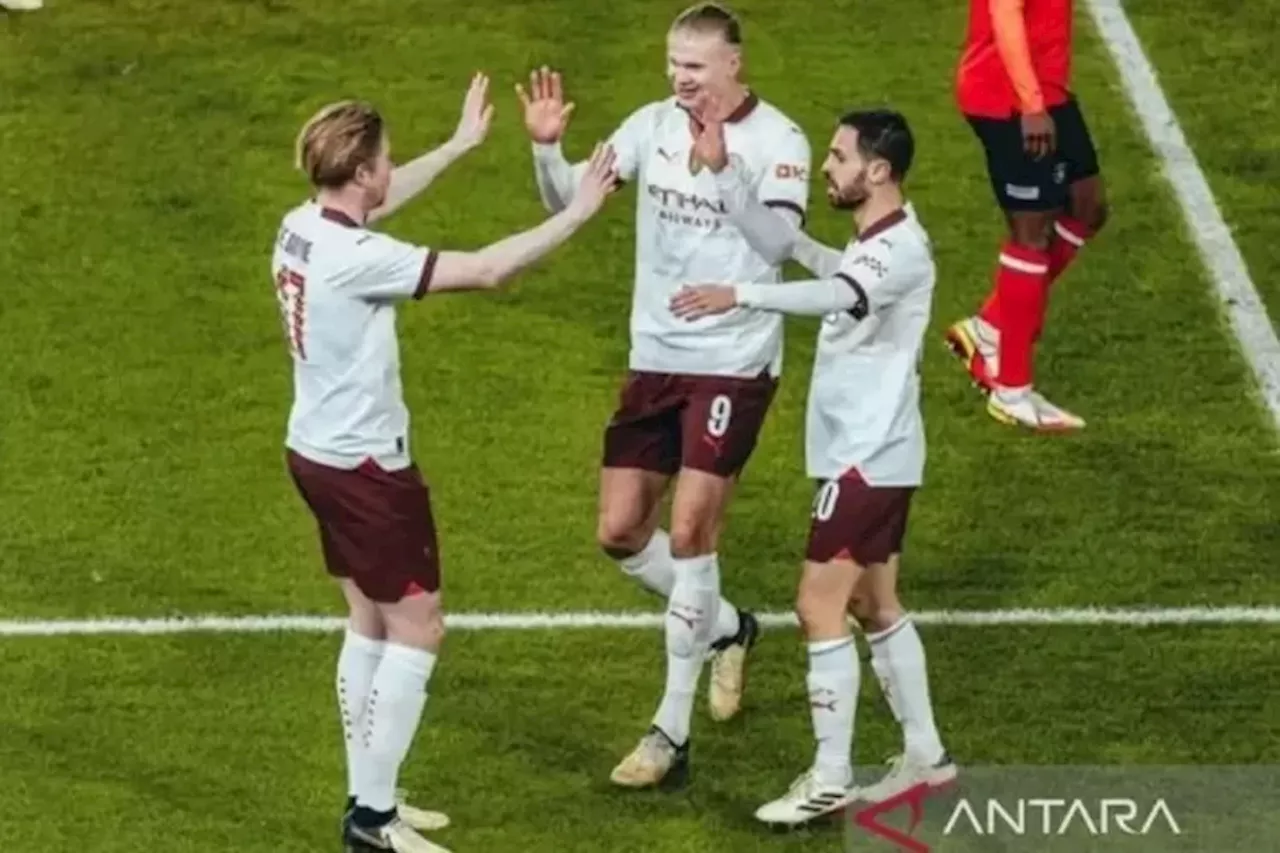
[[854, 521], [668, 421], [375, 526]]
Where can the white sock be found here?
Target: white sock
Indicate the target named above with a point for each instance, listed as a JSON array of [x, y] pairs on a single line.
[[690, 616], [655, 569], [357, 663], [834, 674], [897, 656], [396, 700]]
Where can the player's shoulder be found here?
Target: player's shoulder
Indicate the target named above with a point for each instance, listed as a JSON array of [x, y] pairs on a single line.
[[770, 119], [898, 243], [338, 238]]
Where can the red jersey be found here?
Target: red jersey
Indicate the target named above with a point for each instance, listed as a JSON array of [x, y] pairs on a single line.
[[1017, 57]]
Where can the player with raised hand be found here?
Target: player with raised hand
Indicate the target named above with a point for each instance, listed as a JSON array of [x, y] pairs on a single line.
[[696, 396], [348, 451], [865, 447], [1013, 86]]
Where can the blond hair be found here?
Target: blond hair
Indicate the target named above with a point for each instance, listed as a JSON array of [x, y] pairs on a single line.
[[710, 18], [337, 141]]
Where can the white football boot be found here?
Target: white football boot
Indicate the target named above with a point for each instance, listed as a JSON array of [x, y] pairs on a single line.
[[807, 798], [396, 836], [1025, 407], [905, 773]]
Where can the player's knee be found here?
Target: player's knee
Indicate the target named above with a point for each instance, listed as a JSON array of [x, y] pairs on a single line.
[[1031, 229], [366, 621], [692, 539], [620, 537], [693, 533], [878, 617], [818, 614], [417, 622], [861, 608]]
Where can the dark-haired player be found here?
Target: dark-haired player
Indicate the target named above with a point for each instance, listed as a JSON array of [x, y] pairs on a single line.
[[696, 395], [1013, 85], [865, 446]]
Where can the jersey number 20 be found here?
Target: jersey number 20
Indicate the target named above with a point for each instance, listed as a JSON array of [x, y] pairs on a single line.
[[291, 291]]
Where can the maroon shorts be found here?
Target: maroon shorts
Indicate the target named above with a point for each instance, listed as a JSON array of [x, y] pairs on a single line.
[[668, 421], [375, 526], [854, 521]]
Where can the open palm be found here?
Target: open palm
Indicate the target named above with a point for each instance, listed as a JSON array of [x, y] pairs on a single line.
[[599, 181], [546, 115], [477, 114]]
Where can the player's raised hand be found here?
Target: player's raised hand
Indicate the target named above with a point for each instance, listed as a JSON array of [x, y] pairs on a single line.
[[546, 115], [709, 148], [695, 301], [1039, 134], [598, 182], [477, 113]]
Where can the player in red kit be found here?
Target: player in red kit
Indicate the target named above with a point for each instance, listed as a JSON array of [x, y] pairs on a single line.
[[1013, 85]]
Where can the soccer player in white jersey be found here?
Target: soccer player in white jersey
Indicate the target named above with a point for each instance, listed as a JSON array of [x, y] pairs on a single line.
[[695, 397], [338, 284], [865, 446]]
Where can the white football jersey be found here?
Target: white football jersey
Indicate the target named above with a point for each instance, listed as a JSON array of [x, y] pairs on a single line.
[[337, 284], [864, 396], [683, 235]]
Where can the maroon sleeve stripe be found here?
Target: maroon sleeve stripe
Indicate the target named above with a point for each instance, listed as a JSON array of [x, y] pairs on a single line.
[[862, 307], [428, 268], [789, 205]]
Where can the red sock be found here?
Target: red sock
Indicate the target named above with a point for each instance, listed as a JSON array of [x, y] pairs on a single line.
[[1021, 291], [1069, 237]]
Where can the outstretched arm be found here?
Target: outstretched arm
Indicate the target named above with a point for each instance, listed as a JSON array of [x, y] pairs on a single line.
[[818, 258], [412, 178], [768, 209], [866, 282], [495, 263], [774, 230], [814, 297], [546, 115], [384, 269], [555, 175]]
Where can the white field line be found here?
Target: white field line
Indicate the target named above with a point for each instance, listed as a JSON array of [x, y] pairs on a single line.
[[1234, 288], [587, 619]]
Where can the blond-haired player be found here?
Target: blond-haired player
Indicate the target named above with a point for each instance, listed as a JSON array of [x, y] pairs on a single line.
[[696, 396], [348, 445]]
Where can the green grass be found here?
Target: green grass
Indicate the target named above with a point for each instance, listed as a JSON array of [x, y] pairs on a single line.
[[144, 388], [1203, 47], [517, 747]]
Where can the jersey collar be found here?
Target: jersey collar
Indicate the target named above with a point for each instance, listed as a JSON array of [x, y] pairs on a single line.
[[744, 109], [882, 224], [338, 216]]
